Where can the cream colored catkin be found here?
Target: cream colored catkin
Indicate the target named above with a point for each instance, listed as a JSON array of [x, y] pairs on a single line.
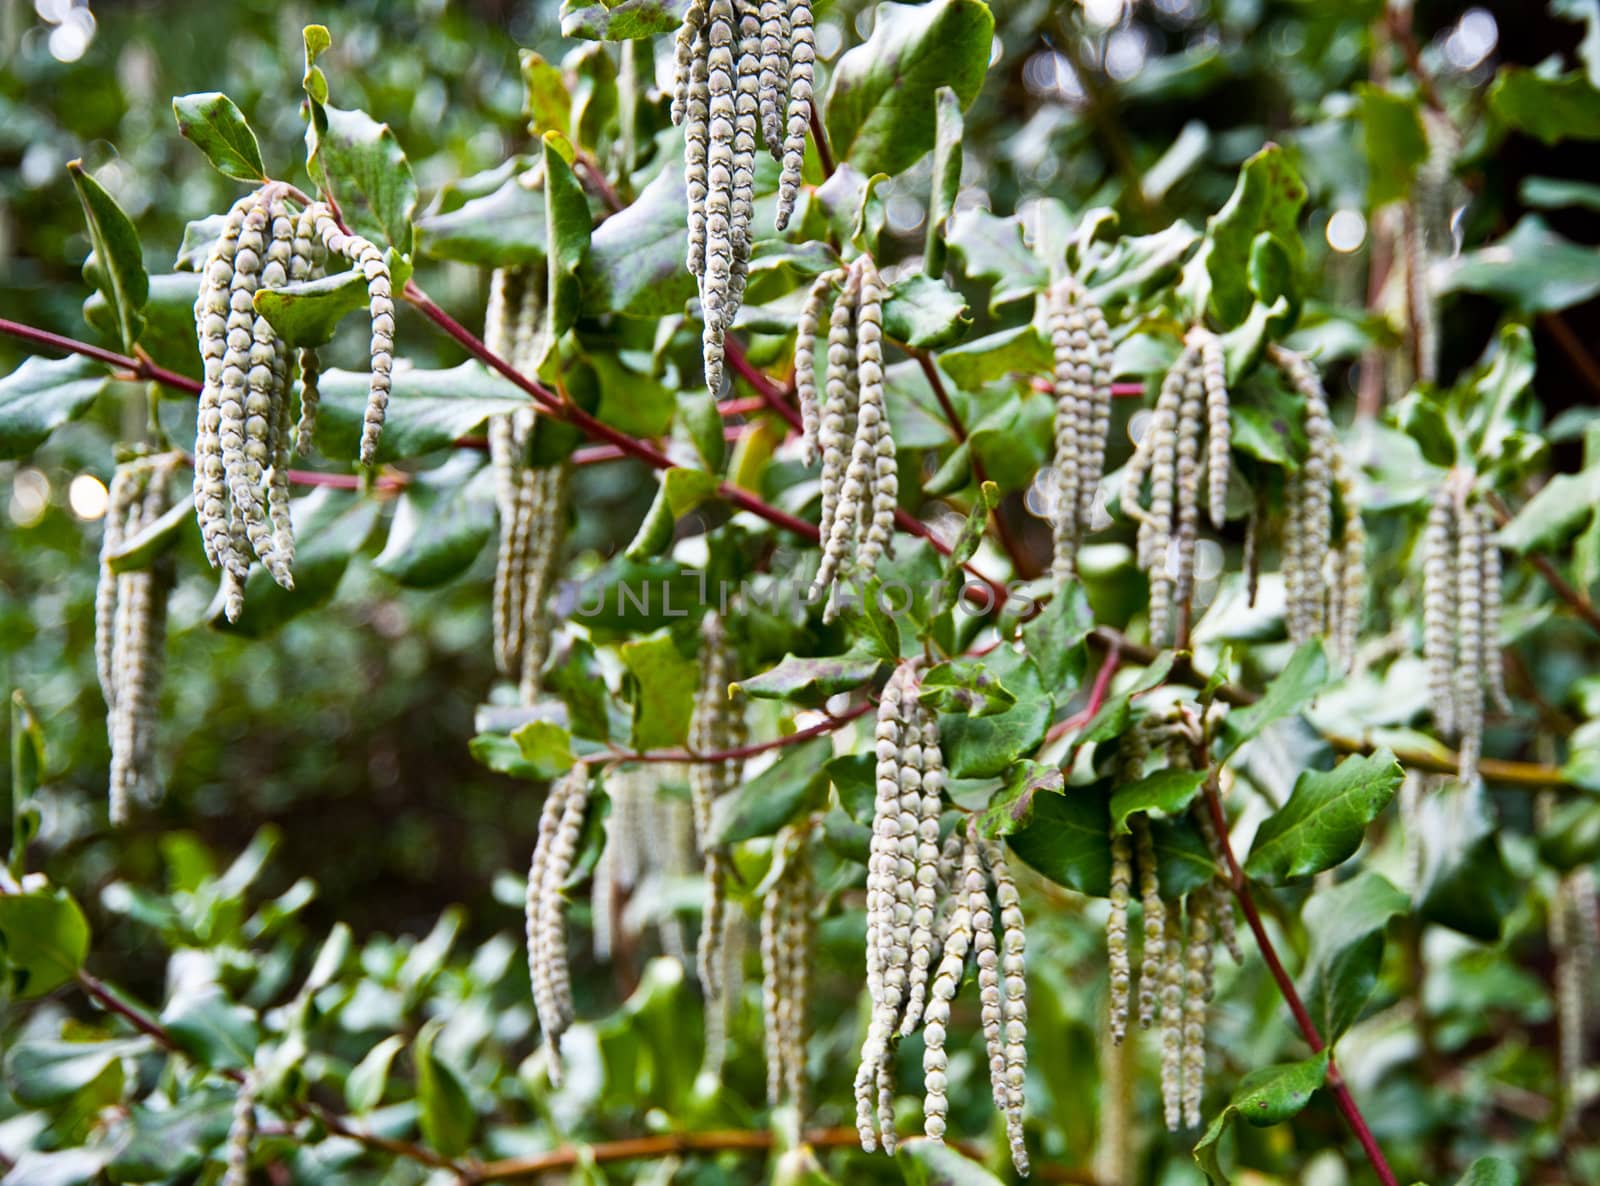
[[883, 482], [302, 266], [1172, 1019], [212, 312], [1121, 968], [715, 726], [986, 958], [513, 483], [239, 375], [1068, 338], [241, 1134], [1180, 560], [1494, 671], [720, 247], [1468, 671], [797, 950], [552, 976], [745, 135], [1014, 1002], [957, 933], [685, 55], [802, 59], [551, 490], [369, 261], [838, 426], [805, 362], [1439, 607], [1153, 959], [1218, 428], [1197, 991], [1310, 525], [929, 804]]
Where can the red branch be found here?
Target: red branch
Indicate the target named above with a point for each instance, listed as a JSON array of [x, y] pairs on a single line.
[[139, 368], [1291, 995], [1097, 695], [747, 751]]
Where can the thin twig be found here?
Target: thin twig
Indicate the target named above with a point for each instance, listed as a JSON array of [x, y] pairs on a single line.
[[1097, 694], [1580, 603], [137, 368], [820, 139], [830, 725]]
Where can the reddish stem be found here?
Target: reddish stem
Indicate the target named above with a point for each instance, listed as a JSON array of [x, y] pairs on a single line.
[[1127, 390], [820, 139], [139, 368], [747, 751], [1291, 995], [1098, 692], [771, 394]]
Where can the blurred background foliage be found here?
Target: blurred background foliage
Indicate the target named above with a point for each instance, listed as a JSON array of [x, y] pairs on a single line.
[[337, 751]]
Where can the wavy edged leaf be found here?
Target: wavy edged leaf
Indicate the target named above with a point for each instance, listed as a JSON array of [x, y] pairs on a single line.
[[43, 394], [635, 260], [214, 124], [1346, 924], [117, 267], [1325, 818], [351, 154], [428, 410], [881, 109], [611, 20], [44, 939], [1293, 689], [797, 782], [438, 530], [1265, 1097], [1267, 199], [810, 682], [663, 683], [444, 1109], [1168, 791], [308, 312]]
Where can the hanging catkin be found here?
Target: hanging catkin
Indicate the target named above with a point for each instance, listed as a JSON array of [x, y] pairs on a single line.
[[241, 1134], [130, 631], [1081, 342], [716, 726], [245, 433], [850, 431], [744, 71], [560, 826], [787, 949]]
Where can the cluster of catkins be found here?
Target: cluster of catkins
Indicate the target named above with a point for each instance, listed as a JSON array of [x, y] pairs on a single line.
[[555, 850], [848, 427], [1191, 411], [717, 725], [241, 1134], [649, 842], [130, 625], [532, 500], [1574, 929], [1081, 340], [788, 945], [1176, 968], [244, 433], [1461, 602], [744, 71], [928, 906], [1324, 574]]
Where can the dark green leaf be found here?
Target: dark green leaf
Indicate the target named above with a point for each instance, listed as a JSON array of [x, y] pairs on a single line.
[[44, 939], [1296, 686], [656, 529], [637, 404], [664, 684], [760, 806], [499, 229], [118, 270], [1554, 515], [635, 260], [308, 312], [1489, 1171], [1267, 198], [445, 1111], [1566, 107], [1396, 144], [611, 20], [438, 531], [212, 1030], [1325, 818], [1346, 924], [927, 1162], [1055, 640], [1068, 840], [984, 747], [881, 103], [428, 410], [45, 1072], [354, 155], [1264, 1097], [810, 681], [1013, 351], [363, 1087], [992, 248], [567, 223], [965, 686], [875, 626], [217, 128], [1533, 269], [1011, 808], [1168, 791], [924, 312], [946, 178]]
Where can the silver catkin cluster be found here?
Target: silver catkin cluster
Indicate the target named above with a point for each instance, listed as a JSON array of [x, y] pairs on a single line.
[[1081, 341], [555, 850], [744, 75], [788, 945], [716, 726], [1188, 434], [1574, 932], [1461, 606], [130, 624], [241, 1134], [1324, 570], [848, 427], [649, 846], [532, 500], [1176, 966], [245, 433]]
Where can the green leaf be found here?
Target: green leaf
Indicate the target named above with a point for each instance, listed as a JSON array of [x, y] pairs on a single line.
[[810, 682], [353, 154], [567, 224], [992, 248], [503, 755], [797, 782], [1566, 107], [1067, 840], [964, 685], [1553, 516], [1396, 143], [617, 20], [664, 683], [1011, 808], [1533, 269], [444, 1109], [578, 683], [213, 1031], [1168, 791], [1489, 1171], [635, 260], [118, 270], [926, 1162], [881, 108], [1022, 350], [215, 126], [656, 529], [169, 1141], [1296, 686], [634, 403], [545, 746], [44, 1072], [438, 531], [1264, 1097], [1267, 198], [43, 939], [1055, 639], [317, 42], [308, 312], [545, 101], [1113, 716], [983, 747], [502, 228], [363, 1087], [948, 128], [1463, 883], [64, 1167], [151, 542], [1323, 822], [1346, 924], [924, 312], [428, 410], [875, 629], [331, 527], [27, 761]]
